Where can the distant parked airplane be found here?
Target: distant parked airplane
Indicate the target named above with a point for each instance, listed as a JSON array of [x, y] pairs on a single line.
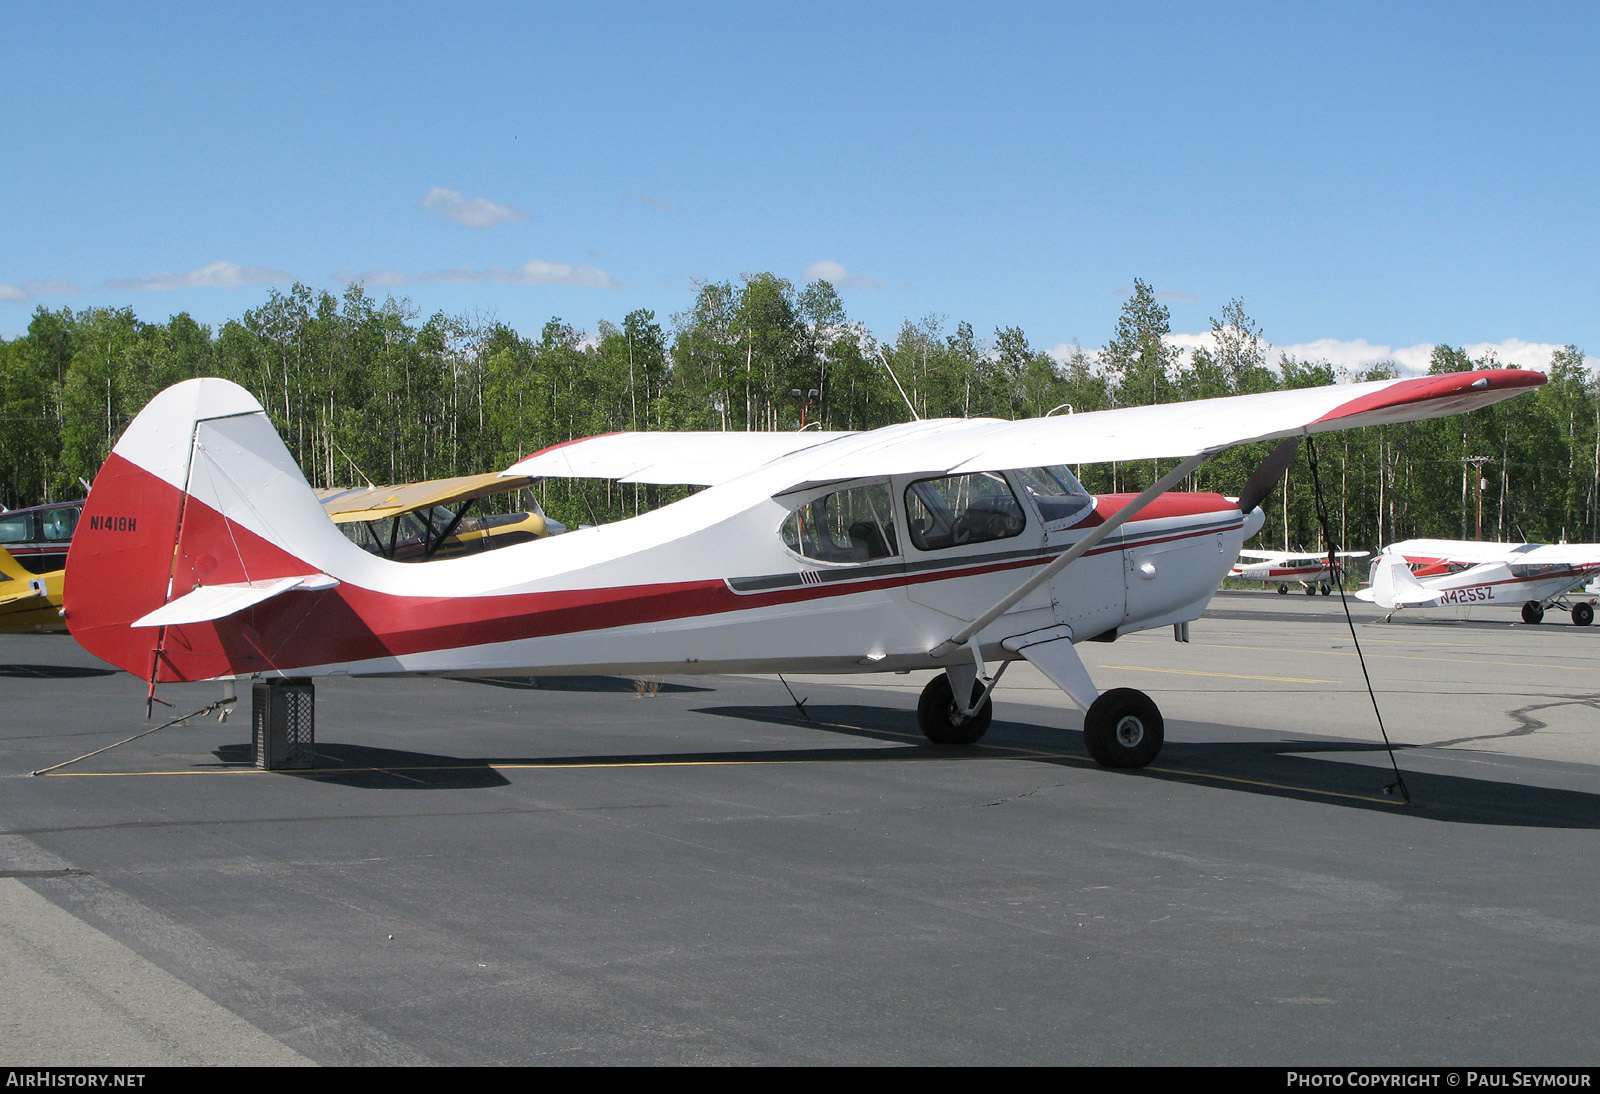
[[1430, 573], [1281, 567]]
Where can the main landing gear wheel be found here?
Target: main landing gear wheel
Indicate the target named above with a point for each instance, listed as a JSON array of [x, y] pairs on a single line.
[[1311, 590], [940, 721], [1123, 728], [1582, 614], [1283, 590], [1326, 590], [1532, 612]]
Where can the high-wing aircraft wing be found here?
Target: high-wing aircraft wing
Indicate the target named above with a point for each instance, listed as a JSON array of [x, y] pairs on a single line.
[[675, 459], [1474, 552], [951, 446]]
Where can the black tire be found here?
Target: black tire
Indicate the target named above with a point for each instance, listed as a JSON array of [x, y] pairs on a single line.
[[1532, 612], [1123, 729], [1311, 590], [936, 714], [1326, 590], [1582, 614], [1283, 590]]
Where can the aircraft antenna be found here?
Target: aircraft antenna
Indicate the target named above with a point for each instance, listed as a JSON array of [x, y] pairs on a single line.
[[1338, 579], [914, 415]]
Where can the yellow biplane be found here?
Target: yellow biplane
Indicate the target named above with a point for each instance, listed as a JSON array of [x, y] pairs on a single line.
[[29, 602], [420, 521]]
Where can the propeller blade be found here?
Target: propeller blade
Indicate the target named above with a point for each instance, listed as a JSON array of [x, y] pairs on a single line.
[[1265, 477]]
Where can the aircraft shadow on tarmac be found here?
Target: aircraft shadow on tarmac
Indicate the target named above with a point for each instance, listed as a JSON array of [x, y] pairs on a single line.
[[1302, 769], [53, 672], [370, 768]]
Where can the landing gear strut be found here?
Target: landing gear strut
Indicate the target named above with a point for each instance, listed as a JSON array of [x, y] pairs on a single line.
[[1533, 612], [942, 723], [1123, 728]]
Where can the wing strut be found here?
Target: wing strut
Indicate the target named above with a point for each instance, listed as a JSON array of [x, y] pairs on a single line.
[[1077, 550]]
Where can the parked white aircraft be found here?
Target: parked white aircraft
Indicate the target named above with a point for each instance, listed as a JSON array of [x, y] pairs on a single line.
[[1429, 573], [953, 544], [1281, 567]]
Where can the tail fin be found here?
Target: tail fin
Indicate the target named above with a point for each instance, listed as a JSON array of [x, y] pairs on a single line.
[[1394, 586], [199, 492]]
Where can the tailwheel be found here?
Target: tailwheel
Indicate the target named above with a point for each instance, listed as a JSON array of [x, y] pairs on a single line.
[[942, 723], [1533, 612], [1123, 728], [1582, 614]]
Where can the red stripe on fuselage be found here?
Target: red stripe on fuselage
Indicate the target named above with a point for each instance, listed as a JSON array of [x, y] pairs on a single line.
[[119, 577]]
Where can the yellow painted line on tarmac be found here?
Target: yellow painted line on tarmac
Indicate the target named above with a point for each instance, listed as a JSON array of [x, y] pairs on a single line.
[[1224, 675], [1407, 657], [887, 755]]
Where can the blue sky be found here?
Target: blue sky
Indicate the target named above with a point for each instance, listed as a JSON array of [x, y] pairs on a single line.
[[1369, 179]]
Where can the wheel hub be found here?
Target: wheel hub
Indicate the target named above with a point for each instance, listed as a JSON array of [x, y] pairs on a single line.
[[1130, 731]]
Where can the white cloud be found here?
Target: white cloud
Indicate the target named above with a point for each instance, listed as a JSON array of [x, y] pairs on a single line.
[[662, 205], [25, 292], [469, 212], [1357, 354], [536, 272], [834, 273], [374, 279], [218, 275], [1514, 351]]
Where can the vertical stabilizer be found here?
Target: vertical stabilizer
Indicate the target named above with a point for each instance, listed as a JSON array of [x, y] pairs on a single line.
[[199, 492]]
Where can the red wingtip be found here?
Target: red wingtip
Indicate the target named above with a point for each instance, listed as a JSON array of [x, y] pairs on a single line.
[[1488, 385]]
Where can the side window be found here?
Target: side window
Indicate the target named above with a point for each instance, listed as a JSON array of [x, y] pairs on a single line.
[[961, 509], [1057, 493], [59, 523], [853, 525], [16, 528]]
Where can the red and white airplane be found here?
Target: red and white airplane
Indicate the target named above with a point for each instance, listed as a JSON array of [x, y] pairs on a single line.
[[1432, 573], [1280, 567], [959, 545]]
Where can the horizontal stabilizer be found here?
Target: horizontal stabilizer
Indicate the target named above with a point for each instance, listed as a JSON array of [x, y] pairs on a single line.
[[220, 601]]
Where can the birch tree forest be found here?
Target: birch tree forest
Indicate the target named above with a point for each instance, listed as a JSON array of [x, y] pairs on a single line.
[[369, 391]]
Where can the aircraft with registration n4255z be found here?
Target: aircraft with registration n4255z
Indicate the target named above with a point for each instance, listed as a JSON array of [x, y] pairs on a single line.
[[941, 544], [1435, 573]]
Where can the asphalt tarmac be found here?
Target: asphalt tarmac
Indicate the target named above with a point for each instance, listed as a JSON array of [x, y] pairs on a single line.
[[570, 872]]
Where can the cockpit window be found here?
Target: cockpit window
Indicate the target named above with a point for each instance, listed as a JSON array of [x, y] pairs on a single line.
[[961, 509], [853, 525], [1056, 491]]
